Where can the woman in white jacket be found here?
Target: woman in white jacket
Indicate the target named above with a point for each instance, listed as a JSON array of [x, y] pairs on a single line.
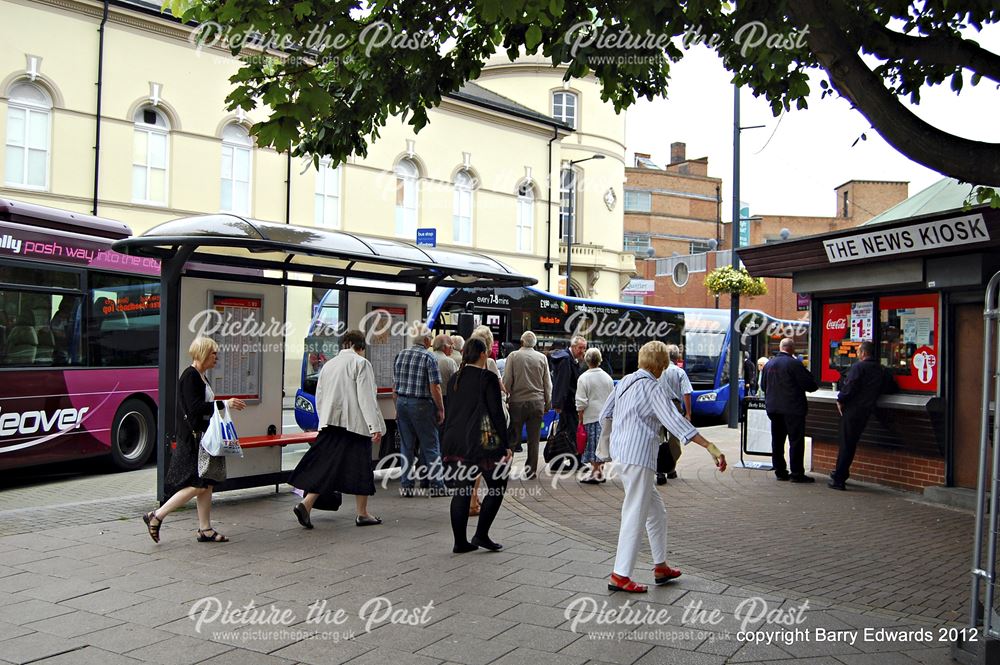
[[592, 390]]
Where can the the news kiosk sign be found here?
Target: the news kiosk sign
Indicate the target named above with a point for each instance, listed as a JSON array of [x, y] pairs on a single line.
[[914, 238]]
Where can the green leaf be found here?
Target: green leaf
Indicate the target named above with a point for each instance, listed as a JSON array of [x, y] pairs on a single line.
[[956, 81], [490, 10], [302, 9], [532, 38]]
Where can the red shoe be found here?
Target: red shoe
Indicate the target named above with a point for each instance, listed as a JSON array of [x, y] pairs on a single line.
[[663, 574], [619, 583]]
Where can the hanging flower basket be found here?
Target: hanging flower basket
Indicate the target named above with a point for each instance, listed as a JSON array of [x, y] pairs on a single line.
[[727, 280]]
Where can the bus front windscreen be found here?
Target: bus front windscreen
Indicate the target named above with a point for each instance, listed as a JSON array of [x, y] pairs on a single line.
[[701, 356]]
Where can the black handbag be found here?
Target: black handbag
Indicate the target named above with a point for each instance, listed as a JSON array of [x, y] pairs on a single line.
[[329, 501], [560, 450]]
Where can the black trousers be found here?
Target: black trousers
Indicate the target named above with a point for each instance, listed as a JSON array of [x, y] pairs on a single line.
[[569, 420], [668, 454], [496, 485], [852, 425], [792, 427]]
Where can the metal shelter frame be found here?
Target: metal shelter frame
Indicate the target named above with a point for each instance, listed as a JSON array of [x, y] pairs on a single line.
[[988, 483], [266, 253]]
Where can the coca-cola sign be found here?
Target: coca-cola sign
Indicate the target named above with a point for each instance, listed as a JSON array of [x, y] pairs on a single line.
[[837, 324]]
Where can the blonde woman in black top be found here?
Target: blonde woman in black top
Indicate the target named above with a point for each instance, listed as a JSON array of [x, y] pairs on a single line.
[[192, 472]]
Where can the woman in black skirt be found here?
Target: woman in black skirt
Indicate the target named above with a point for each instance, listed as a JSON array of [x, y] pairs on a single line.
[[192, 472], [350, 422], [475, 442]]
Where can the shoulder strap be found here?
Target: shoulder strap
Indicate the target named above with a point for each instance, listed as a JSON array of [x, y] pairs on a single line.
[[644, 378], [184, 412]]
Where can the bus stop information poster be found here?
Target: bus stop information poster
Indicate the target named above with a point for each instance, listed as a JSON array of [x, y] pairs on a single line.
[[383, 344], [237, 371]]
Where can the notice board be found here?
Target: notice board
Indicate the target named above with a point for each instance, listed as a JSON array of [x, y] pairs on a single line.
[[385, 335], [238, 368]]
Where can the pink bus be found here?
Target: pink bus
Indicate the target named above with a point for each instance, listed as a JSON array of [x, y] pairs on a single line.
[[79, 340]]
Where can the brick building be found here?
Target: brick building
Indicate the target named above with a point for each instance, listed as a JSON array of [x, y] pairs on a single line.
[[673, 226]]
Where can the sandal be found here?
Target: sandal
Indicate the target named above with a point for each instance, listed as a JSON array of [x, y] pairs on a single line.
[[663, 574], [619, 583], [215, 537], [154, 529]]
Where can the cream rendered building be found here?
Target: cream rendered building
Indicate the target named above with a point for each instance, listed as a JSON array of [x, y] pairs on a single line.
[[478, 173]]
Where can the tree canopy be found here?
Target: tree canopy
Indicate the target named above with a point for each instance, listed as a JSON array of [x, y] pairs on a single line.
[[331, 72]]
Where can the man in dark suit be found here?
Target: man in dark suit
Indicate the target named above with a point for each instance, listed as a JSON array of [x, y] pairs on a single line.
[[786, 382], [865, 381]]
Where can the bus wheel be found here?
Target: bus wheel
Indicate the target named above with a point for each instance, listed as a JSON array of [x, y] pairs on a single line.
[[132, 435]]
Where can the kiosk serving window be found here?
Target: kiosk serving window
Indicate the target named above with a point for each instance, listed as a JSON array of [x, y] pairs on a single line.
[[908, 334], [905, 328], [845, 326]]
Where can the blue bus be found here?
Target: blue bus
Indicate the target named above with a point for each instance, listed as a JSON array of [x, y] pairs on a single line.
[[617, 329]]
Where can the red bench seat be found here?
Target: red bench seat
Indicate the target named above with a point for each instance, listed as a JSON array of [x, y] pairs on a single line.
[[277, 440]]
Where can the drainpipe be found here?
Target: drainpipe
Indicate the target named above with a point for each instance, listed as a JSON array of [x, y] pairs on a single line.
[[548, 220], [100, 88], [288, 190], [718, 230]]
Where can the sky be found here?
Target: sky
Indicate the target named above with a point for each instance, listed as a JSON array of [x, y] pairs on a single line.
[[792, 168]]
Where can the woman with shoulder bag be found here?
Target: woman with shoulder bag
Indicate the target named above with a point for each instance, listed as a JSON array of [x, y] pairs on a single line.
[[350, 424], [474, 443], [191, 468], [486, 335]]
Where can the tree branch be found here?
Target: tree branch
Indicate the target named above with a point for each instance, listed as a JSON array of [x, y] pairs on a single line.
[[971, 161], [940, 49]]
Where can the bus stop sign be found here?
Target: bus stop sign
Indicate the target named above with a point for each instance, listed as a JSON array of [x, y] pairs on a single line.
[[426, 237]]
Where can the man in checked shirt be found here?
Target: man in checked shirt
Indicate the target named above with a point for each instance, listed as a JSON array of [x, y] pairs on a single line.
[[633, 415]]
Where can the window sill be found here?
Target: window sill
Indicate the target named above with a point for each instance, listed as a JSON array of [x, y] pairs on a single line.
[[27, 188]]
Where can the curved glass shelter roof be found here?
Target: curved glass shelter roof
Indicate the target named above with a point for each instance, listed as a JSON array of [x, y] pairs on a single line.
[[231, 240]]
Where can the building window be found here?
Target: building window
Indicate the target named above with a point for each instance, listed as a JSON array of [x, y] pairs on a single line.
[[525, 218], [461, 220], [634, 300], [567, 205], [407, 193], [680, 273], [564, 107], [327, 198], [26, 162], [235, 192], [700, 246], [637, 243], [638, 201], [149, 157]]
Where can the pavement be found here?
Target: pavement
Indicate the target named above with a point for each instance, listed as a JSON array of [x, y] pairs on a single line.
[[772, 572]]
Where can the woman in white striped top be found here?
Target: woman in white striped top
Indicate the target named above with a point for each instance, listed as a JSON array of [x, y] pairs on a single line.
[[637, 408]]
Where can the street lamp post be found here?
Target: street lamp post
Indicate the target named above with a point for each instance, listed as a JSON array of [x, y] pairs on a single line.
[[733, 410], [572, 221]]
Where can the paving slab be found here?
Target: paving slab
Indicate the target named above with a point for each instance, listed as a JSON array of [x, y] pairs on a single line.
[[105, 593]]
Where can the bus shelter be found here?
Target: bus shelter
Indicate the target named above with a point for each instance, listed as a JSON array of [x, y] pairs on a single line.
[[226, 276]]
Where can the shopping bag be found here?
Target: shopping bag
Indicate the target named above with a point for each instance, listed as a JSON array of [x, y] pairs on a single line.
[[581, 439], [220, 437]]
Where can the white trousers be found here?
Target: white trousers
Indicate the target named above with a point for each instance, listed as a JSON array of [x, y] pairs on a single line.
[[643, 505]]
